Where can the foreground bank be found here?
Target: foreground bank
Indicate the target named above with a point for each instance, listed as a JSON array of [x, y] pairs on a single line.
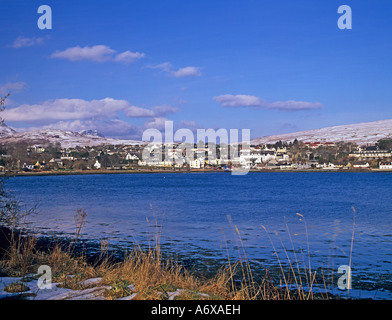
[[61, 271]]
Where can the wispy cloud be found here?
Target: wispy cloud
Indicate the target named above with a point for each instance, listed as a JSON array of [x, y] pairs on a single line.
[[156, 123], [295, 105], [10, 87], [186, 72], [230, 101], [238, 101], [157, 111], [22, 42], [169, 69], [97, 53], [128, 56]]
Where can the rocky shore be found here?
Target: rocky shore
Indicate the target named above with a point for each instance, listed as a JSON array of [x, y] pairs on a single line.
[[90, 289]]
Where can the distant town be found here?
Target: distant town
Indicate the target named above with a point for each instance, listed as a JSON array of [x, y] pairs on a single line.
[[21, 158]]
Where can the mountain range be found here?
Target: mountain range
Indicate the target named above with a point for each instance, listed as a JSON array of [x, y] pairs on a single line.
[[67, 139], [361, 133]]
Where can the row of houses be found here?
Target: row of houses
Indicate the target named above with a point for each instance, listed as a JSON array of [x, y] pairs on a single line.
[[316, 145], [355, 165], [385, 165], [205, 157], [255, 156], [43, 165], [370, 152]]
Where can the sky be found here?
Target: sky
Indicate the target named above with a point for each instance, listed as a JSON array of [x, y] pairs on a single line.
[[121, 67]]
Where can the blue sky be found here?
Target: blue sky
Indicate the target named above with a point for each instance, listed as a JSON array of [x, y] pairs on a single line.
[[123, 66]]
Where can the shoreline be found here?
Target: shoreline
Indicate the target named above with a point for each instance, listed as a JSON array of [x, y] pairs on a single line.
[[103, 266], [156, 171]]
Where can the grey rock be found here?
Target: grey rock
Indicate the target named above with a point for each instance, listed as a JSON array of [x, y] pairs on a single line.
[[95, 293], [91, 282], [133, 295]]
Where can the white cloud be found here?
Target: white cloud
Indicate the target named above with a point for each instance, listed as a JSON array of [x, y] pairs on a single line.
[[65, 109], [97, 53], [157, 111], [72, 109], [168, 68], [230, 101], [128, 56], [186, 72], [21, 42], [295, 105], [236, 101], [138, 112]]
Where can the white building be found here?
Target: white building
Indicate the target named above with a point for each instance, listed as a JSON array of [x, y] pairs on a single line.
[[97, 165], [282, 157], [330, 166], [214, 162], [70, 158], [371, 153], [247, 157], [28, 166], [286, 165], [38, 149], [385, 165], [267, 156], [131, 157], [195, 164], [361, 164]]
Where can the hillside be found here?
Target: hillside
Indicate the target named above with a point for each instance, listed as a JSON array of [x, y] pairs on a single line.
[[361, 133], [67, 139], [5, 130]]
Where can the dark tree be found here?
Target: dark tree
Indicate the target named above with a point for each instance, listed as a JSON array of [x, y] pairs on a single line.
[[385, 144], [8, 207]]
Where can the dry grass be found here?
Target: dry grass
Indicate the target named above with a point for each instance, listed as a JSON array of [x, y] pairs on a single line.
[[151, 276], [16, 287], [146, 273]]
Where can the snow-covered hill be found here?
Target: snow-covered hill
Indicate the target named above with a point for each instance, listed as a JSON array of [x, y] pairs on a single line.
[[5, 130], [67, 139], [92, 133], [361, 133]]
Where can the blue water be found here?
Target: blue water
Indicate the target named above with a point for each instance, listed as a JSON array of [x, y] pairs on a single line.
[[196, 215]]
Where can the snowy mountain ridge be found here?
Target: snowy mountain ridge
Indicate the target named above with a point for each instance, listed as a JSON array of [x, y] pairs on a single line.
[[67, 139], [360, 133]]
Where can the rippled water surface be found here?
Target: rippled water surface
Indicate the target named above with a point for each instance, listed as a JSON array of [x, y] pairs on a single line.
[[197, 215]]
